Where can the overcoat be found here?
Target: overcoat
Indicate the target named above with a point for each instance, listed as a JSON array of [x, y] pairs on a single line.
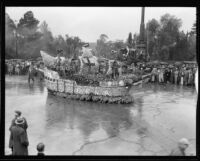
[[19, 139]]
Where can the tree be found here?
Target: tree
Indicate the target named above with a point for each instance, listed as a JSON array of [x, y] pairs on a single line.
[[47, 38], [73, 45], [28, 24], [192, 47], [9, 37], [130, 40], [152, 29], [168, 35], [102, 47], [28, 39], [194, 28]]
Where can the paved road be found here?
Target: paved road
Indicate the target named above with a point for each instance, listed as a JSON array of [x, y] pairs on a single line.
[[159, 117]]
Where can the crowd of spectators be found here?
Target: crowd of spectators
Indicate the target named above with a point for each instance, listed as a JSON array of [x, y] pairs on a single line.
[[14, 67], [20, 67], [179, 74]]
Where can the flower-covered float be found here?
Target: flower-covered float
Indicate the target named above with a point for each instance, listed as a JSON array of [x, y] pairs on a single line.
[[89, 78]]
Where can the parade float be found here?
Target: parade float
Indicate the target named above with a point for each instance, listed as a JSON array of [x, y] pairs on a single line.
[[89, 83]]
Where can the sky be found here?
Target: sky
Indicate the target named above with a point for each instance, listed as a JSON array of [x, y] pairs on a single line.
[[88, 23]]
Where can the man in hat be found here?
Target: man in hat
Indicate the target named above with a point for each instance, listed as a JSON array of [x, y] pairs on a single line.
[[183, 144], [18, 115], [19, 138]]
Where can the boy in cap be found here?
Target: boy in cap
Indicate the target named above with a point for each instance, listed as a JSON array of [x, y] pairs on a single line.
[[40, 149], [183, 144]]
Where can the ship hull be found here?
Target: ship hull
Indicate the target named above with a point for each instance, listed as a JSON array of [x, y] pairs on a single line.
[[70, 89]]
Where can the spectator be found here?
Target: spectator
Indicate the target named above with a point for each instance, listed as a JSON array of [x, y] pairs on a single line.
[[182, 73], [185, 80], [180, 150], [153, 78], [31, 73], [18, 115], [172, 75], [176, 76], [190, 77], [19, 138], [40, 149]]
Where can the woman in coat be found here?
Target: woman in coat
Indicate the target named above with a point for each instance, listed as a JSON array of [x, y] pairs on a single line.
[[159, 75], [182, 73], [176, 76], [190, 77], [153, 75], [171, 75], [185, 80], [19, 138]]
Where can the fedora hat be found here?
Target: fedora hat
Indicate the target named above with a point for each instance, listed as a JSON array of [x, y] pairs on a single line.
[[19, 121]]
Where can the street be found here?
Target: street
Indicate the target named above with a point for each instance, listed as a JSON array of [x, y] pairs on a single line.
[[152, 125]]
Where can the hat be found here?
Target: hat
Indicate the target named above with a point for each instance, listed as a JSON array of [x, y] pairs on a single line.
[[184, 141], [19, 121], [18, 112], [40, 147], [86, 45]]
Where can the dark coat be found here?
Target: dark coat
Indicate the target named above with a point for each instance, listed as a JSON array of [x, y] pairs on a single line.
[[19, 140], [31, 73]]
